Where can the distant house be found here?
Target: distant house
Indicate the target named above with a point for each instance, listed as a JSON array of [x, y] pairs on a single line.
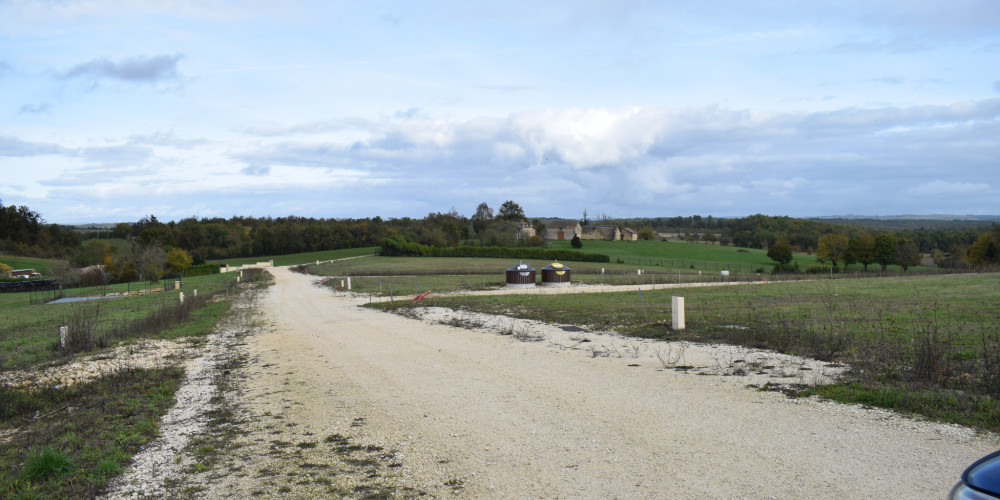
[[601, 232], [25, 273], [521, 229], [562, 230], [629, 234]]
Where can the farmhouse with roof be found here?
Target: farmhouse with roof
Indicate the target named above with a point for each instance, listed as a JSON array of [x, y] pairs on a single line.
[[607, 232], [562, 230], [521, 229]]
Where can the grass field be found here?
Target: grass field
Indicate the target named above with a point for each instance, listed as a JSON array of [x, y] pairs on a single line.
[[299, 258], [29, 330], [924, 344], [70, 441], [675, 254], [43, 266]]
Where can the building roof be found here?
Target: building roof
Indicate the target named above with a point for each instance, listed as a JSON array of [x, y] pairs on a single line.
[[561, 224]]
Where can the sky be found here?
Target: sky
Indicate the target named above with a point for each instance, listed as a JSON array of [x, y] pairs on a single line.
[[112, 110]]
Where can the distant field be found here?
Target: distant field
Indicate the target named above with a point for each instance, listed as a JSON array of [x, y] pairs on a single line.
[[41, 265], [679, 254], [29, 329], [298, 258], [676, 253], [863, 308]]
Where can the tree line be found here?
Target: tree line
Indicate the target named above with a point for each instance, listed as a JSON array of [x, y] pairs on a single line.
[[24, 232]]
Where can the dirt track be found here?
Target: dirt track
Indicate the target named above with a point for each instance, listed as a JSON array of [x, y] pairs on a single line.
[[483, 415]]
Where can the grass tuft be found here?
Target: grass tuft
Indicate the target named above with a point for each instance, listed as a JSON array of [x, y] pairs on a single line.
[[44, 463]]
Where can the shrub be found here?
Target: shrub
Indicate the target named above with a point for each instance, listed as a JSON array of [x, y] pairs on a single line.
[[402, 247], [575, 242], [46, 462], [821, 270], [202, 270]]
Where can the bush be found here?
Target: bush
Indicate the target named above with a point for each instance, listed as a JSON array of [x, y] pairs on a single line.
[[821, 270], [46, 462], [202, 270], [785, 268], [402, 247], [575, 242]]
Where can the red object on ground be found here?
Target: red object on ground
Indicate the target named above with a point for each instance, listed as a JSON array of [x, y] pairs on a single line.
[[420, 297]]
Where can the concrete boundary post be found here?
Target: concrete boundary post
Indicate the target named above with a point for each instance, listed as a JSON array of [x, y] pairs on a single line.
[[677, 313]]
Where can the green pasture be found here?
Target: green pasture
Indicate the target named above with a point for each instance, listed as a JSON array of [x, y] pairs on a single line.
[[299, 258], [678, 254], [43, 266], [29, 329], [861, 308], [396, 266]]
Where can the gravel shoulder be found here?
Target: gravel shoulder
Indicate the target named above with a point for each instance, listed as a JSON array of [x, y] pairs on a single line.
[[449, 410]]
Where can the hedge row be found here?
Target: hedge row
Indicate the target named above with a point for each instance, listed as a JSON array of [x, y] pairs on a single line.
[[202, 270], [400, 247]]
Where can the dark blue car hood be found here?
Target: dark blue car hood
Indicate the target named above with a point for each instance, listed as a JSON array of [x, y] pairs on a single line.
[[984, 475]]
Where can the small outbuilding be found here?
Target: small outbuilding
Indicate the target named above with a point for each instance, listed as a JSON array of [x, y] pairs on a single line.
[[555, 274], [520, 276], [562, 230]]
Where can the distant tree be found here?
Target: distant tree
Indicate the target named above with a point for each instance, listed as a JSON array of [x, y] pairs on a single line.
[[885, 250], [122, 269], [862, 249], [4, 268], [711, 238], [147, 261], [94, 252], [986, 249], [585, 221], [539, 227], [482, 218], [510, 211], [177, 260], [647, 233], [907, 254], [122, 230], [831, 247], [780, 252], [575, 242]]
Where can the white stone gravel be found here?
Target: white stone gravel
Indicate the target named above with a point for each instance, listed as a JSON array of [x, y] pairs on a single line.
[[159, 461]]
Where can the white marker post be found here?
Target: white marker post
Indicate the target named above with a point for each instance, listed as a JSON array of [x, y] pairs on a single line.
[[63, 336], [348, 283], [182, 297], [677, 313]]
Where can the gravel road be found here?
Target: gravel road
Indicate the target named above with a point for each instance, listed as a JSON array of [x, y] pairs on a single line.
[[467, 412]]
